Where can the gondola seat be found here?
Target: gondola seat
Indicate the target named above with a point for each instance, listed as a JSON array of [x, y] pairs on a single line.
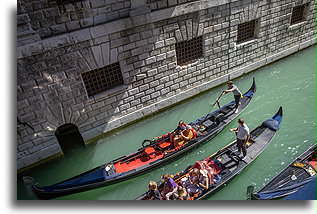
[[164, 145], [150, 151]]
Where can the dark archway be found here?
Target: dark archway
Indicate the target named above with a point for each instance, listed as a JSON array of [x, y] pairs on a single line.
[[69, 137]]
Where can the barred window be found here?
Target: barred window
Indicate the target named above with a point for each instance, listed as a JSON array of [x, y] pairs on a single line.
[[246, 31], [60, 2], [102, 79], [298, 14], [189, 51]]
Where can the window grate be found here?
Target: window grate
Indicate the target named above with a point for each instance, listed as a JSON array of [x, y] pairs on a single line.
[[246, 31], [102, 79], [298, 14], [60, 2], [189, 51]]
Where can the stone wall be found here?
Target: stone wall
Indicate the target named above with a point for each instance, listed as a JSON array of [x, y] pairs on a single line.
[[51, 92], [52, 17]]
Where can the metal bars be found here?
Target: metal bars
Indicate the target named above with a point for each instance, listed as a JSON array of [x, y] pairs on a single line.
[[189, 51], [246, 31], [298, 14], [102, 79]]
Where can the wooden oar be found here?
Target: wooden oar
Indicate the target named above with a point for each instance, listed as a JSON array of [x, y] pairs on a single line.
[[217, 100]]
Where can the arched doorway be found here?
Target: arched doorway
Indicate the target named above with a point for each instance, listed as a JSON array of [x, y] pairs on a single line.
[[69, 137]]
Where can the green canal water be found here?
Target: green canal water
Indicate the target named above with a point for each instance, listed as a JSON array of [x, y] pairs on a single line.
[[290, 83]]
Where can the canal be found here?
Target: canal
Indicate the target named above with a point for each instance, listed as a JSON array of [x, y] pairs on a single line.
[[289, 82]]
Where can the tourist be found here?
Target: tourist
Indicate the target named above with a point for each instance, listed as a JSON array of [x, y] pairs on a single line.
[[191, 182], [243, 136], [236, 92], [154, 194], [203, 181], [181, 127], [184, 137], [181, 194], [169, 188]]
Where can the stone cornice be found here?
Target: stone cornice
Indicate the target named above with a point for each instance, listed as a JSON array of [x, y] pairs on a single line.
[[113, 27]]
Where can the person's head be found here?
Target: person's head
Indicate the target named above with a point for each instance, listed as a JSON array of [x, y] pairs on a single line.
[[241, 121], [181, 191], [230, 84], [152, 185], [166, 177], [188, 127], [180, 123], [195, 171]]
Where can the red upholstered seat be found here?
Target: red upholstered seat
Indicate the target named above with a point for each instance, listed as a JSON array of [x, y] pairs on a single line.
[[149, 150], [164, 145]]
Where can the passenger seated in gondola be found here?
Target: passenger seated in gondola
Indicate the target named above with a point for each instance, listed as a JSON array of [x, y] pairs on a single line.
[[169, 188], [191, 178], [181, 194], [203, 181], [212, 168], [184, 137], [181, 127], [191, 182], [154, 194]]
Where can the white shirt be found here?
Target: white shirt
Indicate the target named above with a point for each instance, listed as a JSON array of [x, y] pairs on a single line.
[[243, 132], [236, 91]]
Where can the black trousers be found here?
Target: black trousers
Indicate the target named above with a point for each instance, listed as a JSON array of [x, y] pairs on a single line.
[[241, 147], [237, 100]]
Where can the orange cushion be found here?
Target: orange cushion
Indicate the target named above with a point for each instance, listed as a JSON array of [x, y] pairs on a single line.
[[149, 150], [164, 145]]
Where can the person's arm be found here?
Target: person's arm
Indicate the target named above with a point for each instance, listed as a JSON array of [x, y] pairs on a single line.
[[205, 184], [228, 90], [246, 140], [184, 136], [193, 181], [233, 130]]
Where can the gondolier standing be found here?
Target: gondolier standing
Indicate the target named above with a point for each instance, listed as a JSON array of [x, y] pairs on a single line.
[[236, 92], [243, 136]]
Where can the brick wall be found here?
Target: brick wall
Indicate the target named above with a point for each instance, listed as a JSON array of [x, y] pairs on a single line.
[[51, 93]]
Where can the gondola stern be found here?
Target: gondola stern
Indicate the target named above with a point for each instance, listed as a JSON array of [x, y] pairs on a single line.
[[252, 90], [250, 192], [253, 87], [280, 111], [29, 184], [279, 116]]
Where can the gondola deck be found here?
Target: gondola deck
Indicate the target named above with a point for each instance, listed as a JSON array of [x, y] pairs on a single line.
[[152, 154], [296, 175], [228, 159]]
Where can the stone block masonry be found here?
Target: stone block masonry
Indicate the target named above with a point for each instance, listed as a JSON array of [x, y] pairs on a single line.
[[58, 42]]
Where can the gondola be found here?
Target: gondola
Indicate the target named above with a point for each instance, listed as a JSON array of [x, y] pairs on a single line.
[[295, 176], [226, 163], [152, 154]]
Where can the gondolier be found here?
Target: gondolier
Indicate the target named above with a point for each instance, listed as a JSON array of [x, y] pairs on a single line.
[[243, 136], [153, 153], [236, 92], [225, 164]]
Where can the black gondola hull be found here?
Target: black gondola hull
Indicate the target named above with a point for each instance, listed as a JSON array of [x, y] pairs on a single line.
[[260, 137], [283, 184], [60, 189]]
